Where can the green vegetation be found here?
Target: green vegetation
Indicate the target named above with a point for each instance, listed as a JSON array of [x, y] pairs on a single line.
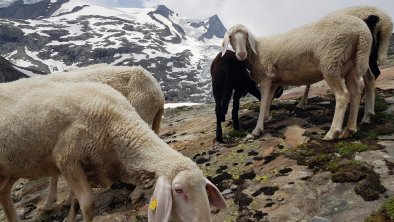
[[236, 134], [385, 212], [349, 149]]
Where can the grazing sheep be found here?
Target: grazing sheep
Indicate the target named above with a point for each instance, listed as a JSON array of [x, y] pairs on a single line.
[[228, 75], [336, 48], [381, 31], [139, 87], [89, 132], [135, 83]]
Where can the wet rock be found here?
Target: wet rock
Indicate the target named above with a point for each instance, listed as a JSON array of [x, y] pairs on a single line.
[[248, 163], [221, 177], [259, 215], [268, 191], [270, 158], [284, 171], [253, 153], [247, 175], [242, 200], [203, 159], [258, 158]]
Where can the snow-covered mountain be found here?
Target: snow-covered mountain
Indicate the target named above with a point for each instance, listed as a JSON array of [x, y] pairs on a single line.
[[57, 35]]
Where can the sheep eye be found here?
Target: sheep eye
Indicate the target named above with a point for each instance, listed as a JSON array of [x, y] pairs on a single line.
[[178, 190]]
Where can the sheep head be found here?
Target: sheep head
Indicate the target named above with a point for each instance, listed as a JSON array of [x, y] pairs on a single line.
[[187, 198], [238, 37]]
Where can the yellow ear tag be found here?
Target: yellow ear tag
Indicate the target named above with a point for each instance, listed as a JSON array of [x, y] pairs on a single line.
[[153, 204]]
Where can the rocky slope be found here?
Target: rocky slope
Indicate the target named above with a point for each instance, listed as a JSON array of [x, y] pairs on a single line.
[[289, 174], [56, 35]]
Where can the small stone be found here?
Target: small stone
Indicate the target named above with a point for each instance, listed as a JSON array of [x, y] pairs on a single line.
[[240, 150], [227, 191], [233, 187], [18, 186], [320, 219], [324, 103], [386, 137]]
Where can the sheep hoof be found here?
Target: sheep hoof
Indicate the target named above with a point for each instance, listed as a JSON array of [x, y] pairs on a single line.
[[300, 106], [347, 133], [365, 121], [66, 203], [249, 137], [367, 118], [332, 134]]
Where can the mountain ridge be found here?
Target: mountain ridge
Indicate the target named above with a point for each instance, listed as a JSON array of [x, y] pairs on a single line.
[[173, 48]]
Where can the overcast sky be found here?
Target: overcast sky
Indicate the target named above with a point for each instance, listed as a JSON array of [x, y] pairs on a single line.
[[263, 17]]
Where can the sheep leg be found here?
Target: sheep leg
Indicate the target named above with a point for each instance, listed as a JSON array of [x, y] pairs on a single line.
[[6, 200], [225, 101], [338, 87], [52, 193], [369, 82], [268, 107], [252, 88], [217, 95], [76, 178], [304, 99], [265, 87], [69, 199], [218, 112], [353, 86], [136, 195], [74, 208], [234, 113]]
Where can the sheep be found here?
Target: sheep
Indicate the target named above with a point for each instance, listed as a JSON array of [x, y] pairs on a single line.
[[89, 132], [135, 83], [336, 48], [228, 75], [381, 36]]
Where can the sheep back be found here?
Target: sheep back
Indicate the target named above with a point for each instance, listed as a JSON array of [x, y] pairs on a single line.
[[321, 47], [88, 122], [135, 83]]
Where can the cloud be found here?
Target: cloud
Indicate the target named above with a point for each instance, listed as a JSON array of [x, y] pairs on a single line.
[[264, 17]]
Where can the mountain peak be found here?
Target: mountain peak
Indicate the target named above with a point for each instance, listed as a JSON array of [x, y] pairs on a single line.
[[163, 10], [29, 9]]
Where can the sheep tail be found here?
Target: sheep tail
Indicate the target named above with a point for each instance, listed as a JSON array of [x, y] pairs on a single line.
[[157, 120], [371, 22]]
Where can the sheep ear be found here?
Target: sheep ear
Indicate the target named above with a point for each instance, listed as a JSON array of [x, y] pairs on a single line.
[[160, 204], [225, 42], [214, 196], [252, 42]]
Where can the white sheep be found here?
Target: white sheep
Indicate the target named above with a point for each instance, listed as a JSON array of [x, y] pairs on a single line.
[[381, 35], [336, 48], [89, 132], [135, 83]]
